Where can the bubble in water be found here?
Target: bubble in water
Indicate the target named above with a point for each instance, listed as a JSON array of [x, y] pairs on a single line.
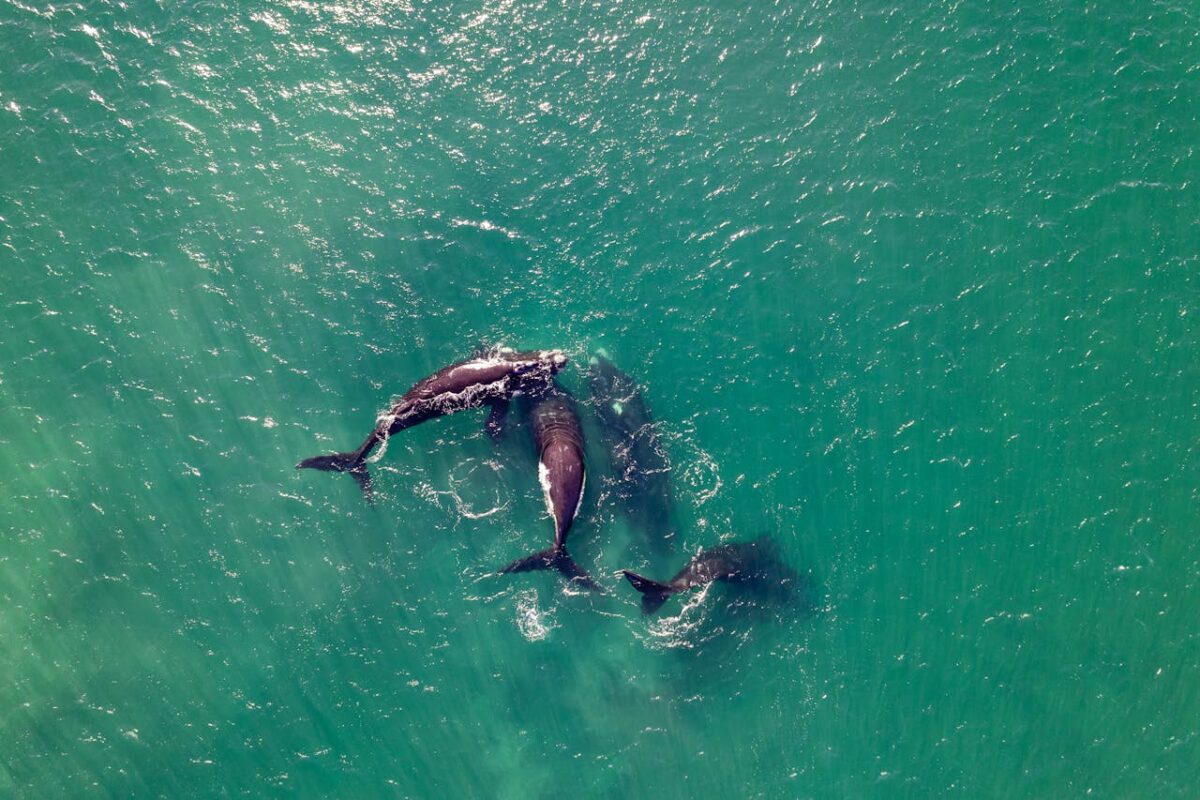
[[476, 489], [533, 623], [699, 474]]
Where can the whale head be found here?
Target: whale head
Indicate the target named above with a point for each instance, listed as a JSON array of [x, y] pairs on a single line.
[[537, 367]]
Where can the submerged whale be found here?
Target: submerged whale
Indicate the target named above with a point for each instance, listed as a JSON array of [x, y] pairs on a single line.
[[491, 378], [641, 471], [559, 440], [754, 564]]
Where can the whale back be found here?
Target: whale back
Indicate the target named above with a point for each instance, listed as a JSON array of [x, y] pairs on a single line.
[[737, 562], [493, 375], [559, 440], [625, 416]]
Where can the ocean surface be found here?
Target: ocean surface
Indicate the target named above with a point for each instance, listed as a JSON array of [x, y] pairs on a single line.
[[912, 289]]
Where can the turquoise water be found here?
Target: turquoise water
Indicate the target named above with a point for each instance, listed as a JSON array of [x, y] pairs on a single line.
[[912, 290]]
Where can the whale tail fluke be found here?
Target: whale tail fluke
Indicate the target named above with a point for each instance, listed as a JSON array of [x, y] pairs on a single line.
[[573, 572], [654, 594], [554, 558], [334, 462], [353, 461], [542, 560], [344, 462], [363, 479]]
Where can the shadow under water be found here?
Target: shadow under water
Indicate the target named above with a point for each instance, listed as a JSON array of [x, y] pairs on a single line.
[[640, 469]]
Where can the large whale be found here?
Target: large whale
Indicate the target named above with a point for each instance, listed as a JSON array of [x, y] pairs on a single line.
[[641, 471], [753, 564], [491, 378], [559, 440]]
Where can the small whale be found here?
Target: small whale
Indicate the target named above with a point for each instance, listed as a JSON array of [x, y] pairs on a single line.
[[640, 468], [753, 564], [491, 378], [559, 440]]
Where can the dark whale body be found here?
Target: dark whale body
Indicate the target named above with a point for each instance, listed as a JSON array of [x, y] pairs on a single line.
[[641, 471], [491, 378], [558, 437], [753, 564]]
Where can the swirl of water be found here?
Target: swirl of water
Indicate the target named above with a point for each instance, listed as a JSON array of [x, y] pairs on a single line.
[[533, 623]]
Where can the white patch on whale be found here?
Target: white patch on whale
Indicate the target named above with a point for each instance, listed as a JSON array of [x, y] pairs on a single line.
[[482, 363], [579, 502], [474, 395], [544, 480]]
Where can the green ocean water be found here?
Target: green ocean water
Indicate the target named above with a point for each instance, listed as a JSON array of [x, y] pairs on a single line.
[[912, 290]]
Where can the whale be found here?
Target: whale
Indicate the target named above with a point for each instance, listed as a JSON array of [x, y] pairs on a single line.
[[640, 469], [489, 378], [558, 438], [754, 565]]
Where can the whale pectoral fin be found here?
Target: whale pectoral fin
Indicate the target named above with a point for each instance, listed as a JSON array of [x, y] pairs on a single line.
[[497, 417], [334, 462]]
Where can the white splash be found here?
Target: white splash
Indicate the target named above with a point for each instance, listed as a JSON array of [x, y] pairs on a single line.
[[533, 623], [383, 443], [701, 476], [677, 631]]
